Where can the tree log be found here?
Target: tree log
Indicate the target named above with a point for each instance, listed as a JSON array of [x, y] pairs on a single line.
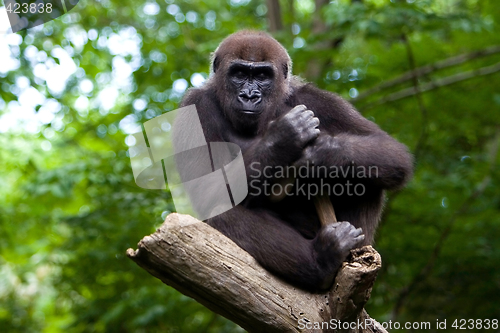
[[202, 263]]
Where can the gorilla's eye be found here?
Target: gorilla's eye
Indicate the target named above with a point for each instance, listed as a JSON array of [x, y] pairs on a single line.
[[261, 76], [239, 74]]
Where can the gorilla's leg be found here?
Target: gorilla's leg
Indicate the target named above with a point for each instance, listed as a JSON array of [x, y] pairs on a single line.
[[308, 263]]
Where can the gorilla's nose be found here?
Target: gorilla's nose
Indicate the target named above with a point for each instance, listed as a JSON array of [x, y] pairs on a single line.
[[247, 95]]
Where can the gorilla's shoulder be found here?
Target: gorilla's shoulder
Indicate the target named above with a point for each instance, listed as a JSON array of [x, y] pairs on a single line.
[[201, 97], [318, 99], [309, 90]]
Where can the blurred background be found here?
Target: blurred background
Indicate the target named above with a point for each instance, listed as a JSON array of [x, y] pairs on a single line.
[[73, 89]]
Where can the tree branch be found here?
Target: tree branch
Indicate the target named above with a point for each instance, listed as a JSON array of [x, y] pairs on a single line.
[[202, 263], [317, 64], [274, 15], [420, 101], [435, 84], [424, 70], [427, 269]]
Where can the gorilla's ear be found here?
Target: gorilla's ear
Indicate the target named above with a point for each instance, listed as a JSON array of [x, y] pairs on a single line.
[[285, 70], [215, 64]]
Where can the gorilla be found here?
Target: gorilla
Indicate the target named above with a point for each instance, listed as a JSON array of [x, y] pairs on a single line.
[[298, 138]]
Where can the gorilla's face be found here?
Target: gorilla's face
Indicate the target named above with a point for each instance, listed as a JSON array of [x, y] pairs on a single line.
[[251, 80], [250, 94], [251, 84]]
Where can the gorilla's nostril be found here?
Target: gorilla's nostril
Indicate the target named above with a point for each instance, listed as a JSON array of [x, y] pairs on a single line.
[[253, 96]]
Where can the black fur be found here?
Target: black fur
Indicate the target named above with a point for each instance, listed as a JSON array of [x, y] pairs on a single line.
[[284, 234]]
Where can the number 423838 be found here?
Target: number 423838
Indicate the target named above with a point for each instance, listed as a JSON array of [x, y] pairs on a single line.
[[32, 8]]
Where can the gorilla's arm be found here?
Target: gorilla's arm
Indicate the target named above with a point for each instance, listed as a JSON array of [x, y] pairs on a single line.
[[282, 140], [348, 139], [280, 143]]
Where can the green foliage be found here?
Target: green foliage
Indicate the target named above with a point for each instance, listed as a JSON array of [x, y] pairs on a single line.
[[69, 207]]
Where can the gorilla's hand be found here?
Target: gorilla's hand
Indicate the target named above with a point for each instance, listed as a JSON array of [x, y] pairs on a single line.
[[332, 245], [320, 152], [294, 130], [336, 240]]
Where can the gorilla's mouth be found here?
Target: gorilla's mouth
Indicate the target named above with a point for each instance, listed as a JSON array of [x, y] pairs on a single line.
[[252, 112]]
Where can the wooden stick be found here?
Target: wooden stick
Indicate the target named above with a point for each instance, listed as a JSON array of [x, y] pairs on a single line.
[[325, 209], [322, 202]]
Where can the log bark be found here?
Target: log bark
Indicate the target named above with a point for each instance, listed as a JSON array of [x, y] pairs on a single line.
[[202, 263]]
